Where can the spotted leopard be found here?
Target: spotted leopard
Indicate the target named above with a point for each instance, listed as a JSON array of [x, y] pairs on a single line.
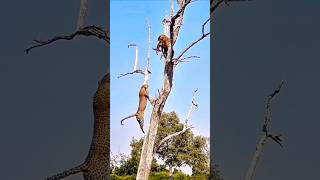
[[96, 165]]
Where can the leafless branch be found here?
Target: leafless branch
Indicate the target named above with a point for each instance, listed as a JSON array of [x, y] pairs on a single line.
[[195, 42], [204, 24], [138, 71], [265, 135], [214, 6], [176, 22], [184, 59], [86, 31], [185, 127], [268, 106]]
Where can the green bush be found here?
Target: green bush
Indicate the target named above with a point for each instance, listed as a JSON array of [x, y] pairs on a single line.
[[180, 176], [199, 177], [116, 177], [159, 175]]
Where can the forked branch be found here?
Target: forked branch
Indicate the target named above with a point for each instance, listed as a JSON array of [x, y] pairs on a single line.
[[179, 58], [265, 135], [136, 61], [86, 31], [185, 127]]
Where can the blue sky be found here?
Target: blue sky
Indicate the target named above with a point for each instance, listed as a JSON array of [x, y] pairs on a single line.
[[128, 25]]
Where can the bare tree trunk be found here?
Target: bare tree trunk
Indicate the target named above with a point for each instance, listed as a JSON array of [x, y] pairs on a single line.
[[149, 141], [82, 14], [148, 149], [256, 157]]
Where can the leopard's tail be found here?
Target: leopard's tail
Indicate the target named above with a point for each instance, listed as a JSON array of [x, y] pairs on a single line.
[[127, 118], [66, 173]]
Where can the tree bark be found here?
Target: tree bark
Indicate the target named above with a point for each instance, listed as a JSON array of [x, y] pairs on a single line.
[[256, 157], [147, 152], [148, 149], [82, 14]]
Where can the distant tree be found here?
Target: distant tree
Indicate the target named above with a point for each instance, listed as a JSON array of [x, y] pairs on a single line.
[[185, 149], [174, 152], [198, 158]]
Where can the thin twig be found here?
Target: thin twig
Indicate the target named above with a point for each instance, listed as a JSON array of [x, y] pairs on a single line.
[[184, 59], [214, 6], [192, 44], [178, 59], [138, 71]]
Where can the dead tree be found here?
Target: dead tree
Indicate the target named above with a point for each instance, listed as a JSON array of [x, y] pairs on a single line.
[[266, 135], [214, 4], [148, 149], [96, 164], [174, 23]]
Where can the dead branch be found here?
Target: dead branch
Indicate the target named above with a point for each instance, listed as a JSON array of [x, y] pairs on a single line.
[[265, 135], [214, 6], [138, 71], [176, 22], [135, 70], [195, 42], [86, 31], [185, 127], [268, 107], [184, 59]]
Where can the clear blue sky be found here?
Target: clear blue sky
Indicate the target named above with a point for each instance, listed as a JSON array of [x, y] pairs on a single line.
[[128, 25]]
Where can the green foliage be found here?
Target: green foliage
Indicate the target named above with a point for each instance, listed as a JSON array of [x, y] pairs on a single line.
[[174, 152], [130, 166], [199, 177], [159, 175], [199, 161], [116, 177], [164, 175], [184, 149], [180, 176]]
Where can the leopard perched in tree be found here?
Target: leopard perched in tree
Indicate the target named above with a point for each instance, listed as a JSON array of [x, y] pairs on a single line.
[[96, 165]]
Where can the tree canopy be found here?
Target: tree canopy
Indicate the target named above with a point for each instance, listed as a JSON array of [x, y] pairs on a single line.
[[185, 149]]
